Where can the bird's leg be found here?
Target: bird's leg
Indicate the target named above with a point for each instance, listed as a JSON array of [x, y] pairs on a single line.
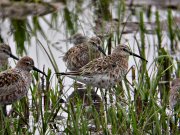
[[4, 110], [111, 96], [89, 90], [105, 99], [96, 90], [105, 105]]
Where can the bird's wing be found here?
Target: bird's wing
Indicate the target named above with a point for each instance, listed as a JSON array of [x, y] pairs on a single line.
[[96, 66], [9, 81], [75, 51]]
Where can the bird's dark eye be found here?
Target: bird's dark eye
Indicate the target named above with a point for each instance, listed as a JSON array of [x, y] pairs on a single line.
[[28, 63], [4, 50], [124, 49]]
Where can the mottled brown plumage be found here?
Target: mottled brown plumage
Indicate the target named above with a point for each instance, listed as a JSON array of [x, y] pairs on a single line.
[[5, 53], [79, 55], [104, 72], [14, 83]]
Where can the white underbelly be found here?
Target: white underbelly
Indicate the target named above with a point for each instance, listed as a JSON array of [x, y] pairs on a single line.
[[100, 81]]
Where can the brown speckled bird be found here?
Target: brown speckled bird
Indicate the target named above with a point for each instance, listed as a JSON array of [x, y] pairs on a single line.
[[104, 72], [79, 55], [14, 83], [77, 38], [174, 98], [5, 53]]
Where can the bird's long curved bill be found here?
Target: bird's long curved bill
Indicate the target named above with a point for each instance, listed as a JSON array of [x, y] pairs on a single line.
[[36, 69], [131, 53], [101, 50], [14, 57]]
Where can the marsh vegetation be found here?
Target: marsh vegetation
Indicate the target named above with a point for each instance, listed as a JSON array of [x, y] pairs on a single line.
[[59, 105]]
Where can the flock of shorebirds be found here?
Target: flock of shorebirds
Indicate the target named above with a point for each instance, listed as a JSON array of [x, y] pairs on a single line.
[[86, 61]]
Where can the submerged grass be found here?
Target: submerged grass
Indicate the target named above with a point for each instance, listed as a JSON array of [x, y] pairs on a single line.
[[138, 109]]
